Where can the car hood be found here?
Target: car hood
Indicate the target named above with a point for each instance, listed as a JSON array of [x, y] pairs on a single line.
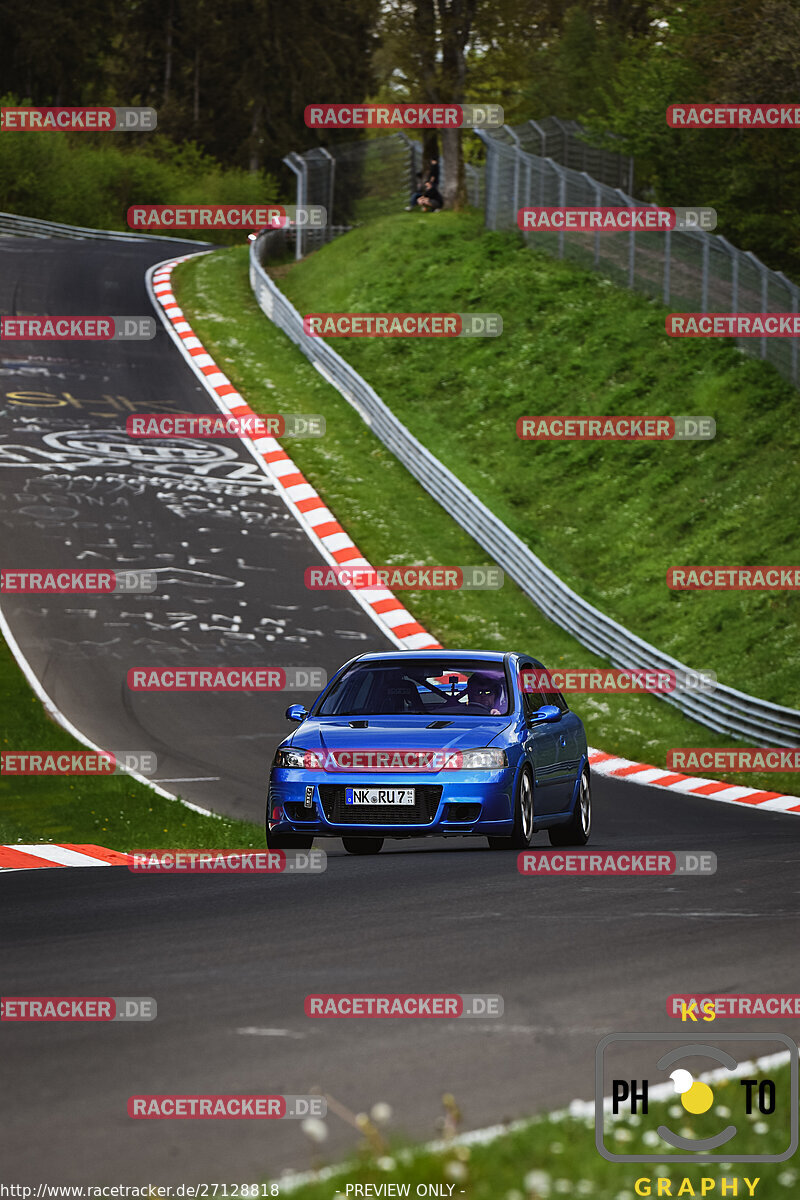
[[398, 733]]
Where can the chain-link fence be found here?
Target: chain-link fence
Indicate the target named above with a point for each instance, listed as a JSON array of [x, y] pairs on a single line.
[[354, 181], [548, 162], [688, 271], [563, 141]]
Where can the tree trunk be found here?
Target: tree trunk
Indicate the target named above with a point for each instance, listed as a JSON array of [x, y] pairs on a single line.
[[168, 55], [456, 18]]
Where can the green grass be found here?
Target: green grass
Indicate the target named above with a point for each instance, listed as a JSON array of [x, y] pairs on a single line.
[[389, 516], [609, 518], [555, 1155], [113, 811]]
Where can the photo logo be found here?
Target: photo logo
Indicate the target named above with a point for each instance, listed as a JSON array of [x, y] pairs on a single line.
[[672, 1070]]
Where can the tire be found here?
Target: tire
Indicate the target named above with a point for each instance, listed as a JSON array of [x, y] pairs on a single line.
[[522, 832], [362, 845], [578, 829], [289, 841]]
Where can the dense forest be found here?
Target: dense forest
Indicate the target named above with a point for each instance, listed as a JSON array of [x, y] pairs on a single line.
[[230, 81]]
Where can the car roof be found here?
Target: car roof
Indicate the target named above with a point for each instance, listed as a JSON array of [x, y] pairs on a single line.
[[497, 656]]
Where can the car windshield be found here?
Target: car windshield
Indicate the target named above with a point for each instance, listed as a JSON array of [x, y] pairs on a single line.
[[433, 687]]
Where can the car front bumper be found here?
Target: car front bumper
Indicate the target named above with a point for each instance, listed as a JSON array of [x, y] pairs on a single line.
[[447, 802]]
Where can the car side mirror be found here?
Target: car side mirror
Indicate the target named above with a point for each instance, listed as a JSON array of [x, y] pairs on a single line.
[[546, 714], [296, 712]]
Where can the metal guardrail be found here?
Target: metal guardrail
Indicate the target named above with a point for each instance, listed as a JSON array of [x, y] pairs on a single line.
[[725, 710], [16, 226]]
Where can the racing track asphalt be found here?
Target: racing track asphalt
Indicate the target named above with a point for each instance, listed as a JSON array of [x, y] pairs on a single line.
[[573, 959]]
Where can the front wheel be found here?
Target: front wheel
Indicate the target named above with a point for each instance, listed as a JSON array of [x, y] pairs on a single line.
[[522, 832], [576, 831], [365, 845]]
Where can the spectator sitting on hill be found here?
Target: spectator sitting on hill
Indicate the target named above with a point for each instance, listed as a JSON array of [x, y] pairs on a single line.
[[431, 199], [412, 203]]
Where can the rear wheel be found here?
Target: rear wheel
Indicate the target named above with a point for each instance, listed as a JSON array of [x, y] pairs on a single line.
[[289, 841], [577, 830], [365, 845], [522, 832]]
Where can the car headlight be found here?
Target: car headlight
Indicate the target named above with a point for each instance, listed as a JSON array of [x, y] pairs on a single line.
[[486, 759], [291, 756]]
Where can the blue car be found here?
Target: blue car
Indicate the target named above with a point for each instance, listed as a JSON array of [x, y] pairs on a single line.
[[432, 743]]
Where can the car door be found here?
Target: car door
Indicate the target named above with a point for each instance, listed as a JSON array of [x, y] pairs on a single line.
[[570, 746], [542, 751]]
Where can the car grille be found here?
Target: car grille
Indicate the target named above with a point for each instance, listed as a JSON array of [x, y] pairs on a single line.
[[339, 813]]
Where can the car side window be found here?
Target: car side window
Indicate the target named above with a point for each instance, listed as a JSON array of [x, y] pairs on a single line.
[[557, 699], [531, 701]]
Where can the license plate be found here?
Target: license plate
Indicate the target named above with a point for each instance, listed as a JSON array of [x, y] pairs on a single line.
[[373, 795]]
